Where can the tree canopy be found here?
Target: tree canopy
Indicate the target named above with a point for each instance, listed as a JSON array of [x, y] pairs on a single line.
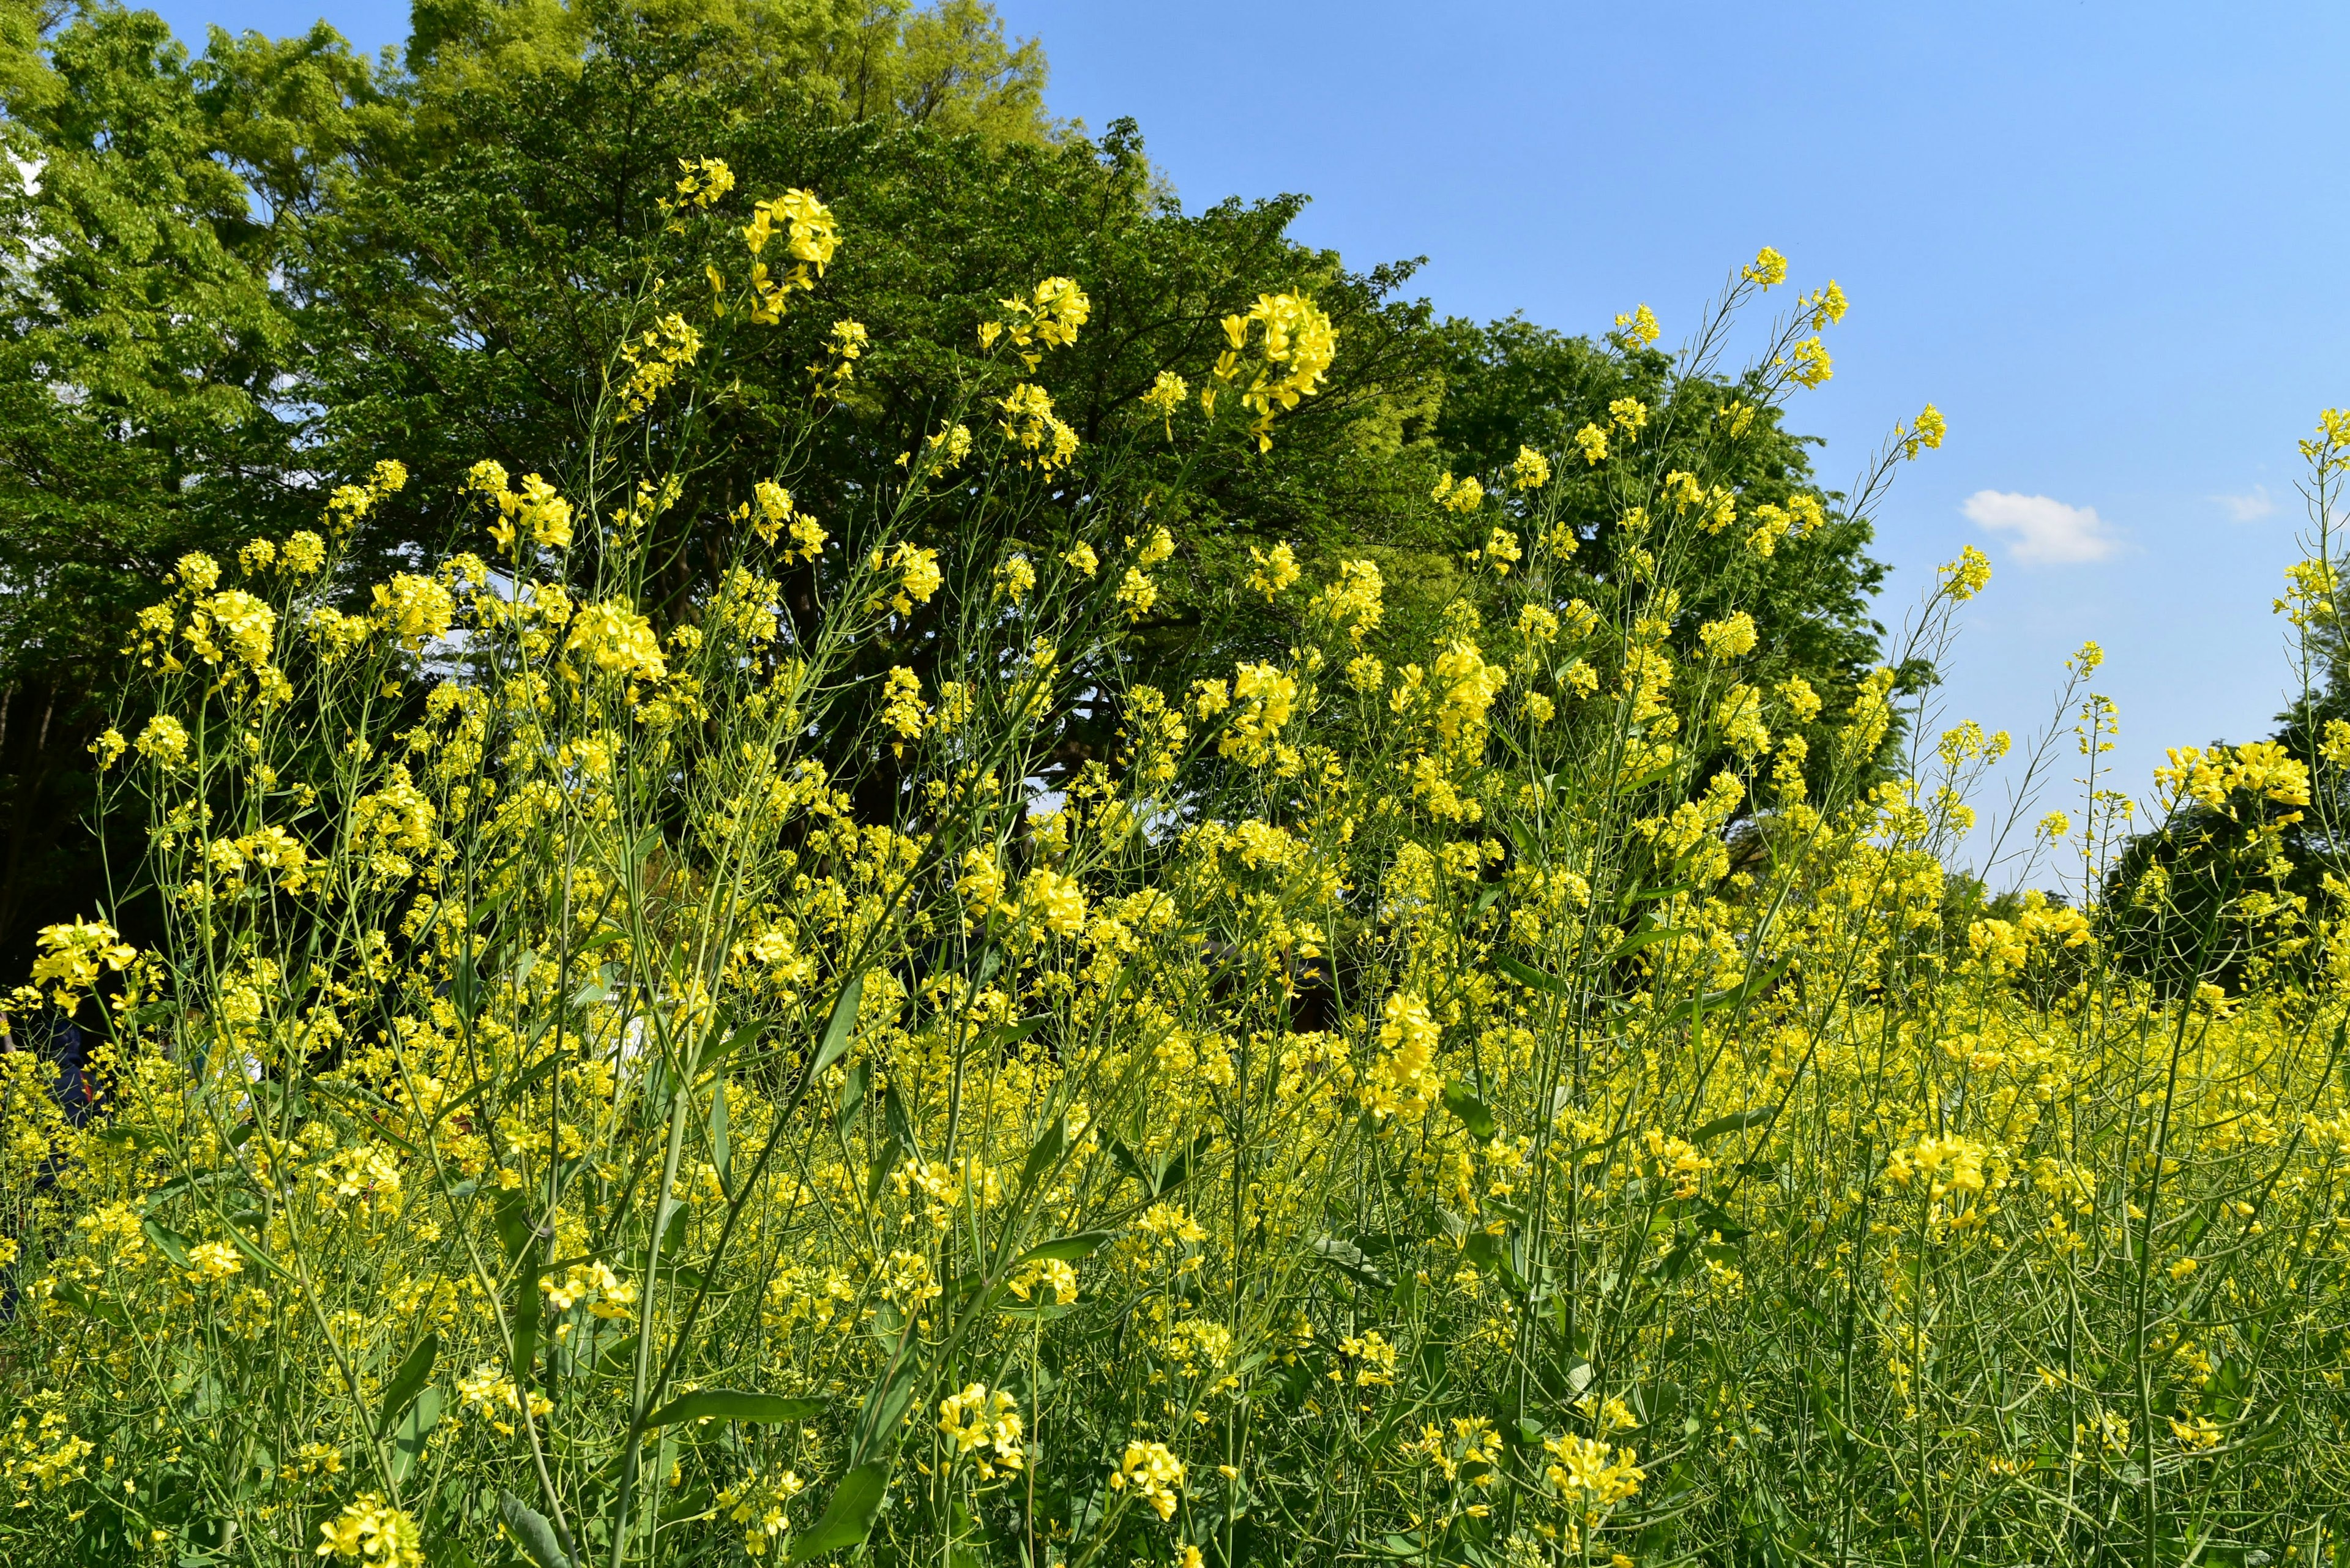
[[246, 276]]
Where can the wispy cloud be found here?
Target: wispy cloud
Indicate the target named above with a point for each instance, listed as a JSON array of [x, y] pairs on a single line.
[[2044, 531], [2249, 508]]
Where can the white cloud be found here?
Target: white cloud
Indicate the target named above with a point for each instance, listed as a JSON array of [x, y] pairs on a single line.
[[2249, 508], [2044, 531]]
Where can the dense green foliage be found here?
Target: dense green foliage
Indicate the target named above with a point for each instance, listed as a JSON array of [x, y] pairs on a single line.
[[249, 274]]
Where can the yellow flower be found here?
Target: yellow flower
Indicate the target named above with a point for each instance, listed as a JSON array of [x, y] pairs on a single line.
[[1137, 593], [1767, 268], [1405, 1080], [1827, 306], [917, 577], [1731, 639], [1639, 328], [1812, 364], [372, 1532], [1154, 1474], [617, 640], [1166, 395], [1054, 901], [1968, 576], [655, 358], [1014, 579], [1458, 495], [811, 236], [303, 553], [1029, 423], [213, 1262], [413, 609], [902, 711], [231, 622], [1926, 434], [1262, 699], [981, 882], [1298, 345], [1502, 551], [1274, 572], [1049, 319], [1594, 443], [983, 1426], [164, 741], [705, 181], [1352, 603], [1530, 470], [71, 955], [1604, 1476]]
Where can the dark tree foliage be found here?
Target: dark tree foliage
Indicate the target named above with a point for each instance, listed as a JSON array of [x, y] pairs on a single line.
[[255, 274]]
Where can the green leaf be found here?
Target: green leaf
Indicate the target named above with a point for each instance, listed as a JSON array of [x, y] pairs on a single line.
[[408, 1438], [1735, 996], [1004, 1034], [246, 1245], [526, 1312], [885, 1404], [531, 1531], [1067, 1248], [853, 1086], [513, 1217], [90, 1306], [169, 1243], [1348, 1258], [718, 1147], [719, 1053], [838, 1028], [1736, 1121], [1639, 940], [849, 1518], [884, 1162], [1045, 1153], [736, 1405], [1472, 1111], [414, 1372], [1527, 974], [617, 1356], [894, 1118]]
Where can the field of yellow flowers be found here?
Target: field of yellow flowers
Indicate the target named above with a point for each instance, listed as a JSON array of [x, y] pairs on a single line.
[[625, 1090]]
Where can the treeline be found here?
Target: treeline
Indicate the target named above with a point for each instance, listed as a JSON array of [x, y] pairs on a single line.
[[241, 278]]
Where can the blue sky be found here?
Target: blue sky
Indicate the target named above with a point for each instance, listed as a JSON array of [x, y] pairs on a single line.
[[2107, 240]]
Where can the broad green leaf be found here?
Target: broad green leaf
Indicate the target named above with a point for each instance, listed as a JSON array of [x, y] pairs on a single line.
[[1045, 1152], [848, 1519], [1473, 1113], [1067, 1248], [415, 1371], [853, 1086], [885, 1404], [736, 1405], [1526, 974], [1639, 940], [719, 1151], [1736, 1121], [169, 1243], [839, 1029], [531, 1531], [1348, 1258], [1735, 996], [414, 1427]]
